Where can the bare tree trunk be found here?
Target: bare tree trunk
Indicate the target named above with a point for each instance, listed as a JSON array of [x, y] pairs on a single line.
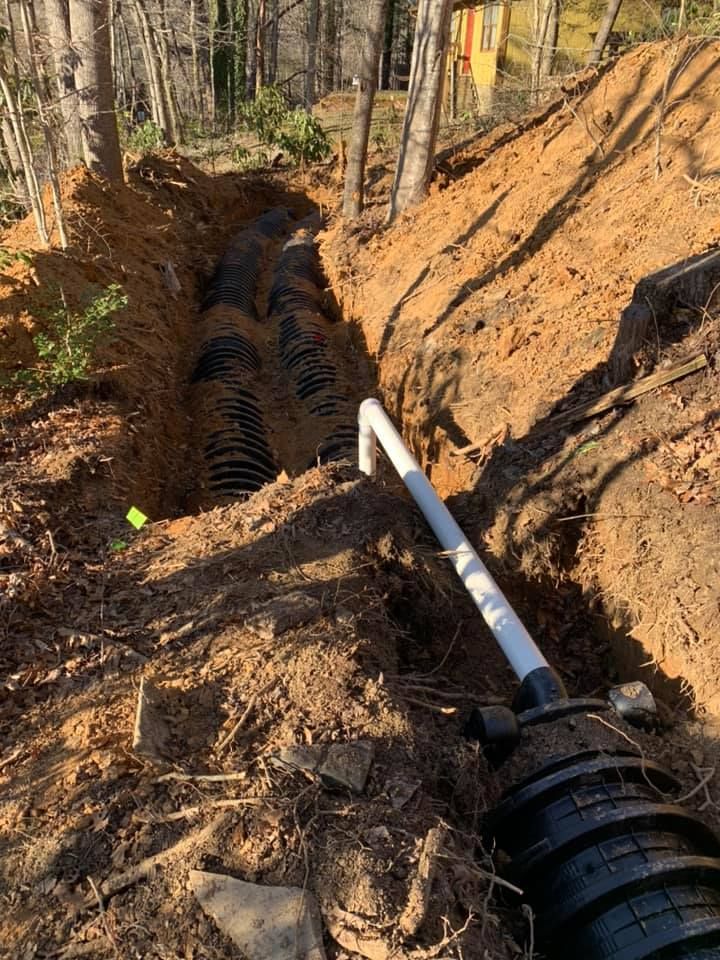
[[43, 118], [329, 25], [17, 122], [339, 38], [12, 154], [601, 37], [274, 40], [386, 59], [251, 49], [90, 30], [126, 56], [152, 68], [312, 43], [260, 47], [551, 40], [539, 47], [362, 114], [58, 27], [162, 50], [13, 164], [197, 91], [422, 113]]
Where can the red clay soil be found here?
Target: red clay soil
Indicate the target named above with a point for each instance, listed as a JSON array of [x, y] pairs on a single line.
[[386, 647], [497, 303], [319, 612]]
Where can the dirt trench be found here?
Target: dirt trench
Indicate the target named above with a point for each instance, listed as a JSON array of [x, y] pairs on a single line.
[[314, 611]]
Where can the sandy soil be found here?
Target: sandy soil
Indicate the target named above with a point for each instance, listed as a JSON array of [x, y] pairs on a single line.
[[497, 304], [319, 612]]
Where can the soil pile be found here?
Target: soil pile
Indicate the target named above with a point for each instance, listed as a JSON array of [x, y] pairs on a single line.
[[497, 304], [261, 626]]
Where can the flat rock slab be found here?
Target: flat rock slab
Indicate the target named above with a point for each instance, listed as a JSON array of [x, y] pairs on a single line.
[[266, 923], [274, 617], [338, 765]]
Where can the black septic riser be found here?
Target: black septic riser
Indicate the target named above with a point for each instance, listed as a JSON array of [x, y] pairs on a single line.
[[611, 867]]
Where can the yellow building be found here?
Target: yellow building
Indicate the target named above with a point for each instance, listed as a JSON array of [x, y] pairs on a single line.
[[493, 41]]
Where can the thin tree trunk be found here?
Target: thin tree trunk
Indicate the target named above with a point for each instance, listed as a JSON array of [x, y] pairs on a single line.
[[152, 68], [312, 43], [551, 40], [90, 30], [64, 60], [386, 63], [339, 39], [329, 28], [17, 122], [539, 48], [13, 159], [260, 47], [422, 113], [274, 40], [162, 50], [126, 59], [603, 34], [44, 121], [197, 91], [251, 49], [362, 114]]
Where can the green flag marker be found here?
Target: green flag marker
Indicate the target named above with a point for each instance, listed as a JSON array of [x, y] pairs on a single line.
[[136, 517]]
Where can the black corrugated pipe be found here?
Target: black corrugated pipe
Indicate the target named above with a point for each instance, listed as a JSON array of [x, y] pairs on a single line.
[[234, 282], [612, 868], [296, 304], [238, 456]]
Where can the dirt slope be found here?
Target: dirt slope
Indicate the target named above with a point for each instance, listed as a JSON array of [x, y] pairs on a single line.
[[497, 303]]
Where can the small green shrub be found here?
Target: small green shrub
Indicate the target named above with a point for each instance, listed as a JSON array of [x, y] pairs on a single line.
[[248, 160], [145, 138], [295, 132], [8, 257], [66, 351]]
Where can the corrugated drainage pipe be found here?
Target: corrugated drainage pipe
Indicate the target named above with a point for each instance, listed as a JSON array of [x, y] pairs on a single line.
[[611, 868]]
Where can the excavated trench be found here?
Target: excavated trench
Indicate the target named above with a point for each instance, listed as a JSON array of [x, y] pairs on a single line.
[[274, 391], [275, 386]]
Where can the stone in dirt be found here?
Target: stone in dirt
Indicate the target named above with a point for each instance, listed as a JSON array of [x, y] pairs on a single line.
[[274, 617], [152, 732], [338, 765], [348, 764], [266, 923]]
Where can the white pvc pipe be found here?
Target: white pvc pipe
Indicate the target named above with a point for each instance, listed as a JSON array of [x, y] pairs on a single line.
[[512, 637]]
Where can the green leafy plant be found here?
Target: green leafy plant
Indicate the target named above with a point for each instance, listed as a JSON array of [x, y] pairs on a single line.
[[66, 350], [8, 257], [145, 138], [247, 160], [295, 132]]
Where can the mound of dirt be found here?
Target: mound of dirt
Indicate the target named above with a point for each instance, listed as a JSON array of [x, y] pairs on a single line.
[[503, 300], [262, 626]]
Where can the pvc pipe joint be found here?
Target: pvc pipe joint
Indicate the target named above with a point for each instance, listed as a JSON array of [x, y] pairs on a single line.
[[509, 632]]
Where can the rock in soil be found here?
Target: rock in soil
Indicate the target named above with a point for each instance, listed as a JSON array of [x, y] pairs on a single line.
[[267, 923]]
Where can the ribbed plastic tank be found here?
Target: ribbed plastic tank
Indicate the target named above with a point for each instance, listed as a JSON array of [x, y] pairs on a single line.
[[611, 867]]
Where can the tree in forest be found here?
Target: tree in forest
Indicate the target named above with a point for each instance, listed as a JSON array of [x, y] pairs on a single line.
[[422, 113], [313, 23], [603, 34], [90, 32], [362, 114], [57, 15]]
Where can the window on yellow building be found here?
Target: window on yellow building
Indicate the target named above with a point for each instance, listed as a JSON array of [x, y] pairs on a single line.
[[491, 19]]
